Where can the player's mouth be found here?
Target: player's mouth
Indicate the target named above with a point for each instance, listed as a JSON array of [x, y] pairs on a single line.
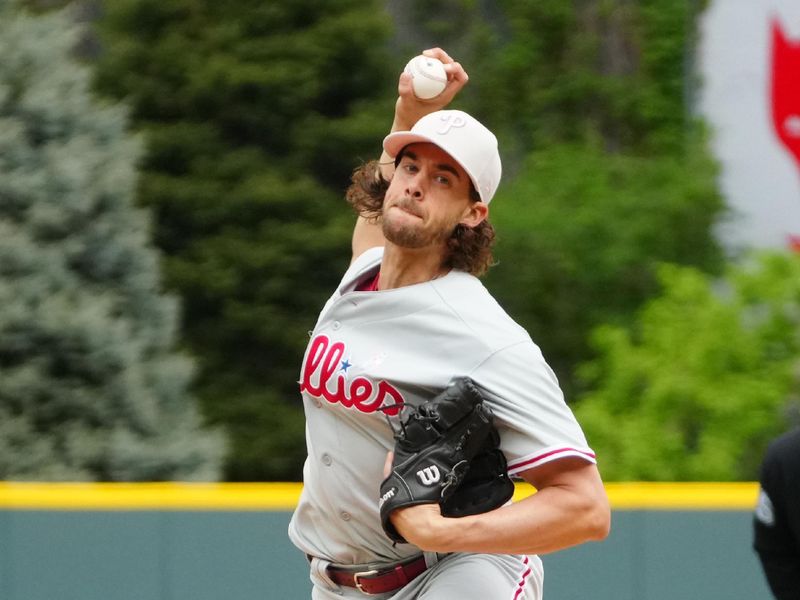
[[408, 209]]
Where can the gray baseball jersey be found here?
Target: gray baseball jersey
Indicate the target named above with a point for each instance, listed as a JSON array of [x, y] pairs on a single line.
[[372, 350]]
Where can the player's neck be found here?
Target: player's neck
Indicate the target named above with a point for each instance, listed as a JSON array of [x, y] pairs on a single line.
[[405, 266]]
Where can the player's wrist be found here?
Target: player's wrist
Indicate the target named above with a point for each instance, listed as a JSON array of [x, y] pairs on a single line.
[[407, 113], [423, 526], [410, 524], [399, 124]]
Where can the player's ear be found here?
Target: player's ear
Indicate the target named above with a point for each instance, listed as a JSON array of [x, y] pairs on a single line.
[[475, 214]]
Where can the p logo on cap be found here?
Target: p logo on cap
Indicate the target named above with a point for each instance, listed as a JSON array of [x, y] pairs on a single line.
[[451, 120]]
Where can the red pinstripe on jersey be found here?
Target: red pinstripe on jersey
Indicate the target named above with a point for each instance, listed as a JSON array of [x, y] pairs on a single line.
[[547, 455], [523, 579]]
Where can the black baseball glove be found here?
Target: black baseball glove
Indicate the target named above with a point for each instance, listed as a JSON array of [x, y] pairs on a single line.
[[446, 452]]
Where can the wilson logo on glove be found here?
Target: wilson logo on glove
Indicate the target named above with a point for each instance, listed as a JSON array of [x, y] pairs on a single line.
[[429, 475], [386, 496]]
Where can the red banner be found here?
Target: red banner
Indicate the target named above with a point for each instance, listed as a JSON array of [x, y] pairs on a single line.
[[786, 89]]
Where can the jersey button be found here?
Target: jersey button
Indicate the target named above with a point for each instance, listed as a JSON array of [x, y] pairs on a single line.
[[336, 325], [327, 460], [345, 516]]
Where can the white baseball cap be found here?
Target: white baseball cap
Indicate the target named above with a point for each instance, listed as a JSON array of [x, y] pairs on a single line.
[[464, 138]]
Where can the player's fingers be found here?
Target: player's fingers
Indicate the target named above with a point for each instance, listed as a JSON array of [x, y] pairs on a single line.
[[387, 466], [454, 69], [438, 53], [457, 78], [455, 72], [404, 86]]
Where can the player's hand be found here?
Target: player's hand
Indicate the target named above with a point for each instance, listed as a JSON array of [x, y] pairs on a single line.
[[387, 465], [409, 109], [424, 526]]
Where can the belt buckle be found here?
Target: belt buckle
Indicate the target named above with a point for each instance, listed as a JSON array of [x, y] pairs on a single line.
[[359, 575]]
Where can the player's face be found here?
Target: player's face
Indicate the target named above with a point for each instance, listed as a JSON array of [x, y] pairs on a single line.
[[428, 196]]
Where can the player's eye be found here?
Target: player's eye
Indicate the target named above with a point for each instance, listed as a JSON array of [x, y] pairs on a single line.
[[442, 179]]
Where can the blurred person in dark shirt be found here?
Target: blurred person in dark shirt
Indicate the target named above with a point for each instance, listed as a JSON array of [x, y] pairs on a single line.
[[776, 522]]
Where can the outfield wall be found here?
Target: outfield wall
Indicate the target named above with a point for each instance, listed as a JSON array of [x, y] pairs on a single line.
[[228, 542]]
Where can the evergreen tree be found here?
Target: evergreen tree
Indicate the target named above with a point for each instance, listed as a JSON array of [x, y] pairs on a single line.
[[255, 114], [91, 386]]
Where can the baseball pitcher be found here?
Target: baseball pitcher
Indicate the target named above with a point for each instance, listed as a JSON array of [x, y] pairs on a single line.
[[423, 397]]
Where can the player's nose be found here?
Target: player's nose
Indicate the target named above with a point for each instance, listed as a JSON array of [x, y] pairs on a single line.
[[415, 186]]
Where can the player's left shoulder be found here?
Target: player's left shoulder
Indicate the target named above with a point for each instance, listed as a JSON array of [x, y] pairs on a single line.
[[472, 303]]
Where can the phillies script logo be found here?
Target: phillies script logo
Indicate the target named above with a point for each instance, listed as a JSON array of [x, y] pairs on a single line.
[[325, 360], [786, 89]]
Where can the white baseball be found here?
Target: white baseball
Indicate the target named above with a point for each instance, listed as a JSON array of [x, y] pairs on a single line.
[[428, 76]]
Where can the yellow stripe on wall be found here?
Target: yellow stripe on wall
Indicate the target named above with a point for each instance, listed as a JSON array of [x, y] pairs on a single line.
[[284, 496], [674, 496], [149, 496], [678, 496]]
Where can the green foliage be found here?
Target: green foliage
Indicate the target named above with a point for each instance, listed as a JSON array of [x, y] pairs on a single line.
[[91, 387], [594, 225], [255, 115], [563, 71], [703, 381]]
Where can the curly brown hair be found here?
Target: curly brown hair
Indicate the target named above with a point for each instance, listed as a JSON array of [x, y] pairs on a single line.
[[470, 248]]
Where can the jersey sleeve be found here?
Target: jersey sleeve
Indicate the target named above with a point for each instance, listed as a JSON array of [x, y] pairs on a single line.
[[536, 425]]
